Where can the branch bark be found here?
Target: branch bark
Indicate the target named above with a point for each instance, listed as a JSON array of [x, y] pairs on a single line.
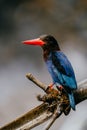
[[81, 93], [46, 110]]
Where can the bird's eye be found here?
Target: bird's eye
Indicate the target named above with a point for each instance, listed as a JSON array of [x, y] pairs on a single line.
[[47, 39]]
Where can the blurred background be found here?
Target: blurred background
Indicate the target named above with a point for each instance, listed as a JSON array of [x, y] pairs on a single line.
[[27, 19]]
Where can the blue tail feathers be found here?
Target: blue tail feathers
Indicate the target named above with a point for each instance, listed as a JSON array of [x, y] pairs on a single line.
[[72, 100]]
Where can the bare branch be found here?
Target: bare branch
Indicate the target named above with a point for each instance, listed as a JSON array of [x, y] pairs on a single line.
[[81, 93], [36, 81], [29, 117], [55, 103], [37, 121], [52, 120]]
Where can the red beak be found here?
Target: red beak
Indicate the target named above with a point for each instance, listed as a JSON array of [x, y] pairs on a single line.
[[34, 42]]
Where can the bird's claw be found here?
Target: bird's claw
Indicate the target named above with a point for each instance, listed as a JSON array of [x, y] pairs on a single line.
[[50, 85], [60, 87]]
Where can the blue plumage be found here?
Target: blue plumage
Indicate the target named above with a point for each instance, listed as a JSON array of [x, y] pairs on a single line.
[[62, 73], [58, 65]]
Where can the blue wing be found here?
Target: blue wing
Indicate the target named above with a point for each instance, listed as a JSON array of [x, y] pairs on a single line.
[[64, 70]]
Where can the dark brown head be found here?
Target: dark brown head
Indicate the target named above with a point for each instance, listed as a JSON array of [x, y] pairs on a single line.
[[51, 43], [47, 42]]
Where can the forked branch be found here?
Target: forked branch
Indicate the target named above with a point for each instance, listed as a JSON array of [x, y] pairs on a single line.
[[54, 104]]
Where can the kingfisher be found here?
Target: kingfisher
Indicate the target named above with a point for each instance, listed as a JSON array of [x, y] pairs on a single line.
[[58, 65]]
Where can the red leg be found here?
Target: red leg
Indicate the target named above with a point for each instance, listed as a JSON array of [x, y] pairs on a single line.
[[51, 85], [60, 87]]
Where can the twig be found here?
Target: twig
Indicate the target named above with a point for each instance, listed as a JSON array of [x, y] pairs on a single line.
[[53, 118], [36, 81]]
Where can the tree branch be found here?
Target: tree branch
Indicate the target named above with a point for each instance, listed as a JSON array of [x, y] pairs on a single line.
[[36, 81], [29, 117], [55, 103], [81, 93]]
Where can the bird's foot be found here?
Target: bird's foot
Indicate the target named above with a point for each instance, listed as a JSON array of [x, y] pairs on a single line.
[[50, 85], [60, 87]]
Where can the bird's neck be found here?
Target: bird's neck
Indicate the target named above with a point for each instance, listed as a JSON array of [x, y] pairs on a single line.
[[46, 54]]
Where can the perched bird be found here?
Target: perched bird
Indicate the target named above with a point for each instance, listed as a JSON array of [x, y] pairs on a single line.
[[58, 64]]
